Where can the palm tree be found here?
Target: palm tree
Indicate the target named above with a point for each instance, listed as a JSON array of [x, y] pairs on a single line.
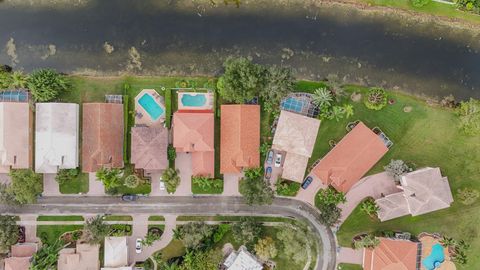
[[19, 80], [460, 258], [322, 97], [370, 207], [348, 108], [337, 113], [447, 241], [171, 178]]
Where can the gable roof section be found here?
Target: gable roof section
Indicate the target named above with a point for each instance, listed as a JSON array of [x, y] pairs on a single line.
[[102, 134], [296, 133], [391, 254], [56, 137], [203, 163], [193, 132], [239, 137], [20, 256], [351, 158], [84, 257], [392, 206], [116, 252], [149, 148], [15, 136]]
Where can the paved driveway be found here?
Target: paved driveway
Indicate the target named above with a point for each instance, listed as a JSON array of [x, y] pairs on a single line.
[[374, 186], [50, 185], [156, 185], [276, 171], [184, 163], [308, 195], [95, 188], [350, 255], [230, 184], [30, 224], [4, 178]]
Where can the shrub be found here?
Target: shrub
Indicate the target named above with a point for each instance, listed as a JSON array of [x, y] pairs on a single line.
[[375, 99], [420, 3], [220, 232], [469, 113], [467, 196], [5, 79], [46, 84], [368, 241], [66, 175], [397, 168], [132, 181], [171, 152], [285, 187], [110, 178], [369, 207], [171, 179]]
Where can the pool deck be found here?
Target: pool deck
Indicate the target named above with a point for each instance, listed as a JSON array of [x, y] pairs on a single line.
[[142, 117], [208, 103], [427, 243]]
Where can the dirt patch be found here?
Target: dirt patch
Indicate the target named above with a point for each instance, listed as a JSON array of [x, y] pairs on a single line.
[[407, 109], [356, 97]]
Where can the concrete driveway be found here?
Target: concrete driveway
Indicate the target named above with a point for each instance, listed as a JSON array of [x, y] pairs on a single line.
[[350, 255], [276, 171], [230, 184], [50, 185], [308, 195], [5, 178], [156, 185], [95, 187], [184, 163]]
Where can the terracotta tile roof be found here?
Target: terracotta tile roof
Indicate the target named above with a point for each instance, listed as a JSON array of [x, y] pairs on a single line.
[[20, 256], [391, 254], [149, 148], [84, 257], [239, 137], [296, 135], [351, 158], [102, 134], [15, 136], [194, 133]]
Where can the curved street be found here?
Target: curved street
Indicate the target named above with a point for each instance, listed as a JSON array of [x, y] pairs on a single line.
[[198, 205]]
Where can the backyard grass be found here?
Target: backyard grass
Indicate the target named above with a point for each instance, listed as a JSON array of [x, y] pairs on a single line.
[[51, 233], [216, 187], [434, 8], [117, 218], [76, 185], [156, 218], [427, 136], [60, 218], [348, 266]]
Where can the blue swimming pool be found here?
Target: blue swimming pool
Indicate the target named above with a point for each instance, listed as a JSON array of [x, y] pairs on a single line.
[[198, 100], [292, 104], [17, 96], [149, 104], [435, 259]]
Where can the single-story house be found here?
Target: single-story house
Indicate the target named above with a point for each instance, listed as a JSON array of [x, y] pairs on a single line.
[[242, 260], [392, 254], [20, 256], [102, 136], [423, 191], [193, 132], [296, 135], [351, 158], [16, 135], [149, 148], [116, 254], [239, 137], [83, 257], [56, 136]]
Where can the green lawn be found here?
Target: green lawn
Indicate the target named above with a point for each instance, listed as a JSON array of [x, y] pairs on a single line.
[[60, 218], [156, 218], [233, 218], [51, 233], [174, 249], [427, 136], [117, 218], [75, 186], [198, 189], [434, 8], [347, 266]]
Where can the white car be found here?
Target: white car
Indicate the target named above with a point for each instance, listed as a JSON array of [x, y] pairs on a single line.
[[162, 185], [138, 245], [278, 160]]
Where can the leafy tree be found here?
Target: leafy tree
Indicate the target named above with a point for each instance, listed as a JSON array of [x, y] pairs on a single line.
[[348, 109], [201, 260], [329, 196], [369, 207], [195, 235], [171, 152], [376, 99], [279, 82], [265, 248], [254, 189], [6, 196], [220, 232], [26, 185], [420, 3], [467, 196], [397, 168], [110, 178], [95, 230], [329, 214], [18, 80], [150, 238], [132, 181], [294, 243], [8, 232], [47, 256], [367, 241], [469, 113], [286, 188], [323, 97], [247, 231], [66, 175], [46, 84], [241, 81], [171, 178]]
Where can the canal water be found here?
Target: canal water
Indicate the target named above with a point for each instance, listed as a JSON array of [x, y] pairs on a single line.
[[155, 37]]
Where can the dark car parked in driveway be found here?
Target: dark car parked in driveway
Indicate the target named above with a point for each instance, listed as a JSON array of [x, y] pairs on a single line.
[[307, 182], [129, 197]]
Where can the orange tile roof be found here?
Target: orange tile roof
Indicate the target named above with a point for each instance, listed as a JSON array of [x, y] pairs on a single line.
[[20, 256], [194, 133], [102, 134], [391, 254], [351, 158], [239, 137]]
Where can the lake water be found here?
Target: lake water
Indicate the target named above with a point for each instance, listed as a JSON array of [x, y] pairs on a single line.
[[143, 37]]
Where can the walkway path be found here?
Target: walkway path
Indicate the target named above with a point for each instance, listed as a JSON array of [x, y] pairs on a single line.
[[230, 184], [50, 185], [350, 255], [374, 186]]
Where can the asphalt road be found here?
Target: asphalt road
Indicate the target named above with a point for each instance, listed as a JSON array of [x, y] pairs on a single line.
[[200, 205]]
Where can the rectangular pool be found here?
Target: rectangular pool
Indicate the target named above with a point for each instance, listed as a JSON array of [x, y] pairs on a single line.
[[151, 106]]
